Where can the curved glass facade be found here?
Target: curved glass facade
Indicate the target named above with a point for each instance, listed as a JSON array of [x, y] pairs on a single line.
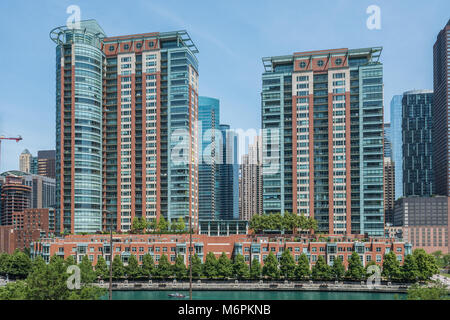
[[79, 128]]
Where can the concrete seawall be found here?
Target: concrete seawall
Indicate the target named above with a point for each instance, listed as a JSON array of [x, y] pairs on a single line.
[[256, 286]]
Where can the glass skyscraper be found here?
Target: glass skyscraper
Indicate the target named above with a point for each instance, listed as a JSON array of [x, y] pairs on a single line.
[[228, 187], [441, 112], [209, 135], [417, 143], [322, 118], [387, 140], [396, 143], [79, 93]]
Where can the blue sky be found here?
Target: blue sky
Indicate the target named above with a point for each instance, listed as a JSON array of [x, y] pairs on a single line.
[[232, 37]]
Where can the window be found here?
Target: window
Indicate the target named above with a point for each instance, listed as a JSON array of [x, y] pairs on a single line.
[[338, 61], [138, 45], [111, 48], [320, 63], [126, 47], [302, 64]]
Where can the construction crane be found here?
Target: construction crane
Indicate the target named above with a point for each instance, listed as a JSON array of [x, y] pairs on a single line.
[[6, 138]]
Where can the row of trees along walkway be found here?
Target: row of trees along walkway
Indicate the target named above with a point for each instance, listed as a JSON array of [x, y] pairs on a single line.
[[418, 266]]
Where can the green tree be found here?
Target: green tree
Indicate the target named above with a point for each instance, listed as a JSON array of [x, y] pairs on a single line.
[[210, 266], [87, 272], [70, 261], [409, 270], [338, 269], [426, 264], [224, 266], [179, 268], [4, 263], [437, 291], [101, 268], [118, 269], [302, 270], [270, 268], [139, 225], [255, 269], [240, 268], [256, 223], [19, 265], [164, 267], [197, 266], [16, 290], [132, 270], [321, 270], [289, 221], [287, 265], [148, 268], [163, 225], [391, 266], [355, 270]]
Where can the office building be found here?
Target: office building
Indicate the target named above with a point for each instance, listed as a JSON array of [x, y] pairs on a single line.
[[389, 191], [228, 169], [417, 143], [322, 119], [387, 141], [209, 135], [250, 182], [396, 143], [440, 112], [25, 159], [46, 163], [424, 222], [127, 131]]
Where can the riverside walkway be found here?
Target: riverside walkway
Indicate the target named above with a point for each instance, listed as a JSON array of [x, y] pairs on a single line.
[[257, 285]]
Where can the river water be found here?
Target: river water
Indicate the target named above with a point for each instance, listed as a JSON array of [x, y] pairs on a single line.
[[257, 295]]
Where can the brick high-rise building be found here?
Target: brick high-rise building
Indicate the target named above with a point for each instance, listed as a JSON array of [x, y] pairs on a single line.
[[440, 112], [389, 190], [15, 196], [322, 118], [250, 183], [126, 128]]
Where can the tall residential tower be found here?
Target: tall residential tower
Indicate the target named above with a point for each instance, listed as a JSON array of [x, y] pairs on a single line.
[[322, 118], [126, 128]]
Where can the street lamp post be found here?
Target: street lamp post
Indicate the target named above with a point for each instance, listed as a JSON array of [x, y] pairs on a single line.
[[190, 257], [110, 253]]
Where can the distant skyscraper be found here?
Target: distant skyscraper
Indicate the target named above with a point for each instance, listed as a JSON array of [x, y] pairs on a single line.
[[250, 183], [322, 119], [441, 114], [228, 187], [209, 115], [34, 166], [389, 190], [396, 143], [25, 161], [387, 140], [46, 163], [127, 131], [417, 143]]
